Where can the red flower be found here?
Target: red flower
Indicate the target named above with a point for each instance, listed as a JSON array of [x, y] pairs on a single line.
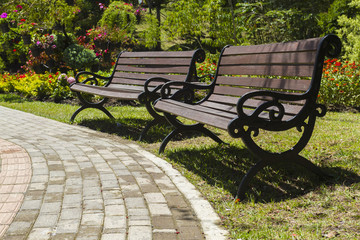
[[14, 50], [23, 20], [338, 64]]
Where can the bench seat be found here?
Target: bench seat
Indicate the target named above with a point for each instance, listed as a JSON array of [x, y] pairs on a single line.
[[273, 87]]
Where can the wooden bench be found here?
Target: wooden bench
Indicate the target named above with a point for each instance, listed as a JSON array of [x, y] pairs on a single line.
[[272, 87], [132, 72]]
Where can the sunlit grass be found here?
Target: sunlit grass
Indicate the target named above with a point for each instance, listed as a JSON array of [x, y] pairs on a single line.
[[283, 202]]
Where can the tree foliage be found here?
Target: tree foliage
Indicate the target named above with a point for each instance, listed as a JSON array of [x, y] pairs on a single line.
[[349, 32]]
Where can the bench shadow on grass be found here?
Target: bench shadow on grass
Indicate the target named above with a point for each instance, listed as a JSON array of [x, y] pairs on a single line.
[[224, 166], [129, 128]]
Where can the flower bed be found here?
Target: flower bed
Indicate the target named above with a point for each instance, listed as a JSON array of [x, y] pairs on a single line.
[[38, 86], [340, 84]]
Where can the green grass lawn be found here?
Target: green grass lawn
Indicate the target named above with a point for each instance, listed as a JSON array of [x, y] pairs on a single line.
[[283, 202]]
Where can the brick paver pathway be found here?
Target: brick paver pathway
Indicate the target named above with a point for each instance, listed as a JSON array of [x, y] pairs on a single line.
[[60, 181]]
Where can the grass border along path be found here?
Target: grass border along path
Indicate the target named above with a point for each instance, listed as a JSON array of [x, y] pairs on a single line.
[[283, 202]]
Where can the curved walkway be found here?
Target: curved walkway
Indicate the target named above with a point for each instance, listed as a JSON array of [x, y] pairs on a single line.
[[61, 181]]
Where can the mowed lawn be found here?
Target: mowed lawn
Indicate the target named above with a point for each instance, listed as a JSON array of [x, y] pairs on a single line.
[[283, 202]]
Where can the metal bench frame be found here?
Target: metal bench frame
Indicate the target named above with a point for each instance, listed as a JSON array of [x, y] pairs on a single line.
[[138, 76]]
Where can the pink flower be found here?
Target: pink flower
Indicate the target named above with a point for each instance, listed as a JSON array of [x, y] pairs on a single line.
[[63, 75], [4, 15], [71, 80]]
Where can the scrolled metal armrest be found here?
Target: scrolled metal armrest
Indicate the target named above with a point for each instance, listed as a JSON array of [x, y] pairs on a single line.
[[93, 78], [274, 101], [158, 87], [165, 91]]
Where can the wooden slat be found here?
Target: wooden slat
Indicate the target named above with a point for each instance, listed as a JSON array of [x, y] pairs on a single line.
[[155, 61], [173, 107], [270, 58], [272, 70], [233, 91], [128, 81], [145, 76], [163, 69], [270, 83], [222, 98], [252, 104], [297, 46], [164, 54], [220, 106], [137, 83], [106, 92], [130, 88]]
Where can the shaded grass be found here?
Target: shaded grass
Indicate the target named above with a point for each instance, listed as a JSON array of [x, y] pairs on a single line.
[[284, 202]]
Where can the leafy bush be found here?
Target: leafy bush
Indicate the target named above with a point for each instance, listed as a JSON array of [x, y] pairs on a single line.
[[121, 15], [151, 34], [78, 57], [349, 32]]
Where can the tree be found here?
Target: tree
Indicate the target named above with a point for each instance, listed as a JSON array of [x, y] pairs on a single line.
[[349, 32], [328, 21]]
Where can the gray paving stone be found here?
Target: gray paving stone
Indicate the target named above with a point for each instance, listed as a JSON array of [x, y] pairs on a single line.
[[92, 219], [113, 236], [46, 221], [140, 233], [115, 222], [50, 207], [40, 234], [91, 185], [68, 226]]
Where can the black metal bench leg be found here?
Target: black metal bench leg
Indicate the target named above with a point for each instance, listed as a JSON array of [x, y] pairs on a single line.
[[148, 126], [211, 135], [77, 112], [106, 112], [247, 178], [167, 139]]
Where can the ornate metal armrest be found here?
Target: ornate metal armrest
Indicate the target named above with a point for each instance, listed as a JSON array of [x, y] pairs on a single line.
[[158, 87], [271, 99], [152, 94], [187, 92], [93, 79]]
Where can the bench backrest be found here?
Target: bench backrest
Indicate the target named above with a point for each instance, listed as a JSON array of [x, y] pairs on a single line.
[[134, 68], [291, 67]]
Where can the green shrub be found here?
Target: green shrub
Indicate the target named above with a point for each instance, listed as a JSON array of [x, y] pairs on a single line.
[[78, 57], [349, 32], [121, 15], [151, 34]]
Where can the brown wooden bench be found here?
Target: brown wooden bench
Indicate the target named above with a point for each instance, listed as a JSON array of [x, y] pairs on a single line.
[[273, 87], [134, 70]]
